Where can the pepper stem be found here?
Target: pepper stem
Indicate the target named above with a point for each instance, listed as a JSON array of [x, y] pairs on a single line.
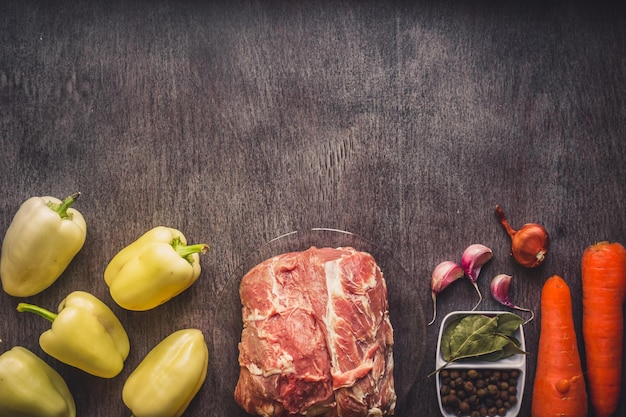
[[185, 251], [505, 222], [61, 209], [31, 308]]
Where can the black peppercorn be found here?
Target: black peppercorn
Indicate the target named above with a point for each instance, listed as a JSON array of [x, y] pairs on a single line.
[[478, 393]]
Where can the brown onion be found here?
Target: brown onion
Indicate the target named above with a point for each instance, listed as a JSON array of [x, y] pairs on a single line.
[[529, 244]]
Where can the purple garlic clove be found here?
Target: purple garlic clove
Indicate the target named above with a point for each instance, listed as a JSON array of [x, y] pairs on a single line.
[[500, 285], [500, 289], [473, 259], [443, 275]]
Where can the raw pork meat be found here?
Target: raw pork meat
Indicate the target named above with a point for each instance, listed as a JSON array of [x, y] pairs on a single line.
[[316, 339]]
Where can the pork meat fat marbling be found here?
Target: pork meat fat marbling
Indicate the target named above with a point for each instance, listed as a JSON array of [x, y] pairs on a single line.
[[316, 339]]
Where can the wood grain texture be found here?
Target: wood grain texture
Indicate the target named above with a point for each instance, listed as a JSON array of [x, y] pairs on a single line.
[[404, 122]]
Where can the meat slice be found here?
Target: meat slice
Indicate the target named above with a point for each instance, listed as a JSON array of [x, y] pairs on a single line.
[[316, 339]]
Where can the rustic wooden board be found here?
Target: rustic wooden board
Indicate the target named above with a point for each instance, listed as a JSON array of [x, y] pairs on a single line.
[[239, 121]]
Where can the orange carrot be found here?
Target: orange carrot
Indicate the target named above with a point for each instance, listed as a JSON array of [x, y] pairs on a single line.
[[559, 387], [604, 288]]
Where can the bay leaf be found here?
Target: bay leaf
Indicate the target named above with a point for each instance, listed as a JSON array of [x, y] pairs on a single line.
[[508, 323], [481, 346], [488, 338], [447, 335], [510, 349], [467, 336]]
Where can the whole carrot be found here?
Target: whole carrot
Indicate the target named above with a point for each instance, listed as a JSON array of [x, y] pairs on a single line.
[[559, 387], [604, 288]]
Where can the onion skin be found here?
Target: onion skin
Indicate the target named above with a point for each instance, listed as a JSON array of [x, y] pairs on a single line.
[[529, 244]]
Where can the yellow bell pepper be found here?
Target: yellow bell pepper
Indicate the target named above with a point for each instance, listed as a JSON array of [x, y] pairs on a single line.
[[153, 269], [41, 241], [85, 334], [169, 377], [29, 387]]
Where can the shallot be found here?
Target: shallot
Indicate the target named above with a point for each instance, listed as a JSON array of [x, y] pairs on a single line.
[[500, 285], [443, 275], [529, 244], [474, 257]]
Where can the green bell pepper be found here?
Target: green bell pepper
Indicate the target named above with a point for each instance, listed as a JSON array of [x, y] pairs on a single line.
[[85, 334], [41, 241], [29, 387], [169, 377], [153, 269]]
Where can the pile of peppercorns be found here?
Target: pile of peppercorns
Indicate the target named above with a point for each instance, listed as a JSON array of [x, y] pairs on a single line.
[[478, 392]]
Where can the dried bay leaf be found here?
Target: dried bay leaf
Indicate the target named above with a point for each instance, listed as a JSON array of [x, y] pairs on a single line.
[[509, 349], [508, 323], [482, 337], [466, 337]]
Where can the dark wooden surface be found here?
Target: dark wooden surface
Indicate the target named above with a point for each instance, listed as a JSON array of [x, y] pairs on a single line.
[[403, 122]]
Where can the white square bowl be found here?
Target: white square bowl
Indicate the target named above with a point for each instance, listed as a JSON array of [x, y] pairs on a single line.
[[515, 362]]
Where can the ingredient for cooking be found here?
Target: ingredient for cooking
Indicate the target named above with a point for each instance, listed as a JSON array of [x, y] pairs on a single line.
[[316, 339], [153, 269], [169, 377], [29, 387], [480, 336], [472, 261], [500, 285], [529, 244], [559, 386], [443, 275], [604, 288], [479, 392], [85, 334], [41, 241]]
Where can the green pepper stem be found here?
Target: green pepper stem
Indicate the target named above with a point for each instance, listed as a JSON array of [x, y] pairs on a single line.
[[61, 209], [185, 251], [31, 308]]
